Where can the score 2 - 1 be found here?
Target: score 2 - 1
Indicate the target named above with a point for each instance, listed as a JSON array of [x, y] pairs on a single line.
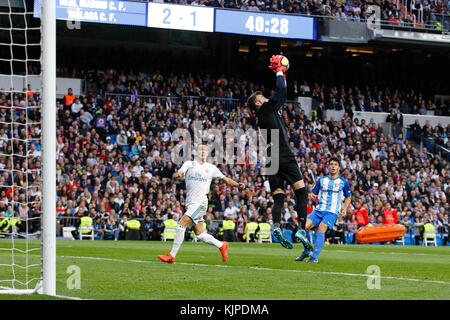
[[169, 16]]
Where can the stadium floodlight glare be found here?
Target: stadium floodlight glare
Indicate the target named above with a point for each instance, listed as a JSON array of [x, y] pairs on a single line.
[[28, 58]]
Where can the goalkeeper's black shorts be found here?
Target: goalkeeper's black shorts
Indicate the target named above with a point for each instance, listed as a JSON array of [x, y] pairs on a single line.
[[288, 173]]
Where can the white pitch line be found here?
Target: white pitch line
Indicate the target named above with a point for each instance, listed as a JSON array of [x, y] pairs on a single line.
[[6, 290], [265, 269], [69, 298]]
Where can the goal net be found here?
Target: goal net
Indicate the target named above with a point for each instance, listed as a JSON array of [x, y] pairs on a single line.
[[22, 185]]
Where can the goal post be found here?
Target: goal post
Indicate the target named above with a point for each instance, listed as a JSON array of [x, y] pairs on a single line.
[[27, 148], [48, 84]]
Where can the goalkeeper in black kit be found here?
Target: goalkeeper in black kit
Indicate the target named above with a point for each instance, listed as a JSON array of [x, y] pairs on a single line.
[[268, 116]]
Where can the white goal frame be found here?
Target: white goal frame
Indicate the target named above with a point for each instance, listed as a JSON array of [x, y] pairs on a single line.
[[48, 115], [47, 284]]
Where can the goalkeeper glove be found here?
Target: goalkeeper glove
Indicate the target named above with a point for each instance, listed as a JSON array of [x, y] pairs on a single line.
[[275, 65]]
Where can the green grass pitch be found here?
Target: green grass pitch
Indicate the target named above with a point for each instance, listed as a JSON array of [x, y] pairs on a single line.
[[131, 270]]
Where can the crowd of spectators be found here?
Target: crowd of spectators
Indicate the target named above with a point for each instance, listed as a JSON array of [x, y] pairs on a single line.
[[116, 159], [235, 91], [342, 10]]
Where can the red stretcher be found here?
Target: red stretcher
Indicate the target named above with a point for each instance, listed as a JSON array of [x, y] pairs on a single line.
[[380, 233]]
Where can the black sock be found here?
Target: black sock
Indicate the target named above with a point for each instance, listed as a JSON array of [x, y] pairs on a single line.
[[301, 199], [277, 208]]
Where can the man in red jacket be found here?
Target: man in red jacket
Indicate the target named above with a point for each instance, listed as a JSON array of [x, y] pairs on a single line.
[[362, 218], [389, 214]]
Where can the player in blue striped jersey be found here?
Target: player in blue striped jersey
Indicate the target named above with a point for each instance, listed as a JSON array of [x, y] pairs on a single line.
[[330, 191]]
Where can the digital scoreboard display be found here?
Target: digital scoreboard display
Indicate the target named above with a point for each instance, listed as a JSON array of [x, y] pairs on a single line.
[[265, 24], [183, 17], [100, 11], [192, 18]]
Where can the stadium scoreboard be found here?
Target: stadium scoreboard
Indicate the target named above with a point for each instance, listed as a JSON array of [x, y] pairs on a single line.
[[100, 11], [182, 17], [265, 24], [193, 18]]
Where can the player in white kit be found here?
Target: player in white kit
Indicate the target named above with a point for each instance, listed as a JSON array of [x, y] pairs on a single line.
[[198, 175]]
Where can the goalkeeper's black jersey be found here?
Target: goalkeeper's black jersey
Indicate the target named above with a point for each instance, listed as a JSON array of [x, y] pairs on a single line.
[[268, 117]]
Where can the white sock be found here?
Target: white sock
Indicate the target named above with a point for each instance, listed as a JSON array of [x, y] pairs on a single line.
[[209, 239], [179, 238]]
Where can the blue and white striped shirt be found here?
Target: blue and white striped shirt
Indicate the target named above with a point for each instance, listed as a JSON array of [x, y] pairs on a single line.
[[331, 193]]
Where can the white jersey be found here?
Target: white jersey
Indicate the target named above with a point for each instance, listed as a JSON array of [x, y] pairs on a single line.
[[198, 179]]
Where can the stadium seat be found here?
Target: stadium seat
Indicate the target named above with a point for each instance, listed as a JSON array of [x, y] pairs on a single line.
[[428, 144], [349, 237], [127, 149], [288, 234], [429, 237], [67, 232], [337, 239], [86, 235], [409, 239], [265, 233], [439, 239], [247, 235], [408, 134], [401, 240], [132, 234], [168, 230], [113, 139]]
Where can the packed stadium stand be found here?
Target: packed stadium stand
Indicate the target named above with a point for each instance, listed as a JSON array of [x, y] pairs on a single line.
[[115, 152], [114, 143]]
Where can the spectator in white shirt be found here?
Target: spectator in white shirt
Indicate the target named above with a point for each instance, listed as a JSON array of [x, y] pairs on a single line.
[[33, 151], [109, 145], [374, 152], [112, 184], [252, 6], [122, 139], [137, 169], [76, 107], [305, 87], [231, 211]]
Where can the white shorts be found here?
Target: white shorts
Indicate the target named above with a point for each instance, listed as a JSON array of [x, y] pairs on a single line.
[[196, 211]]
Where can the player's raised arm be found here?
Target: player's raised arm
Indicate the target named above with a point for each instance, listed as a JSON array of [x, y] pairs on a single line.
[[279, 96]]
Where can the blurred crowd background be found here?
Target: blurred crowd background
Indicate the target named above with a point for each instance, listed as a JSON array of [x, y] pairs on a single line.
[[115, 153]]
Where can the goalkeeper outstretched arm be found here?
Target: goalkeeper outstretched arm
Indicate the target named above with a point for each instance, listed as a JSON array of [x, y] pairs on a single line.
[[279, 96], [258, 102]]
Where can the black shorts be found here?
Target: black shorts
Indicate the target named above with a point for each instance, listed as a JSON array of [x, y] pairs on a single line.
[[288, 172]]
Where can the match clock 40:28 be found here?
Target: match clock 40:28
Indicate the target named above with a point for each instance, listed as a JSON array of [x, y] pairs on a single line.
[[271, 25], [264, 24]]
